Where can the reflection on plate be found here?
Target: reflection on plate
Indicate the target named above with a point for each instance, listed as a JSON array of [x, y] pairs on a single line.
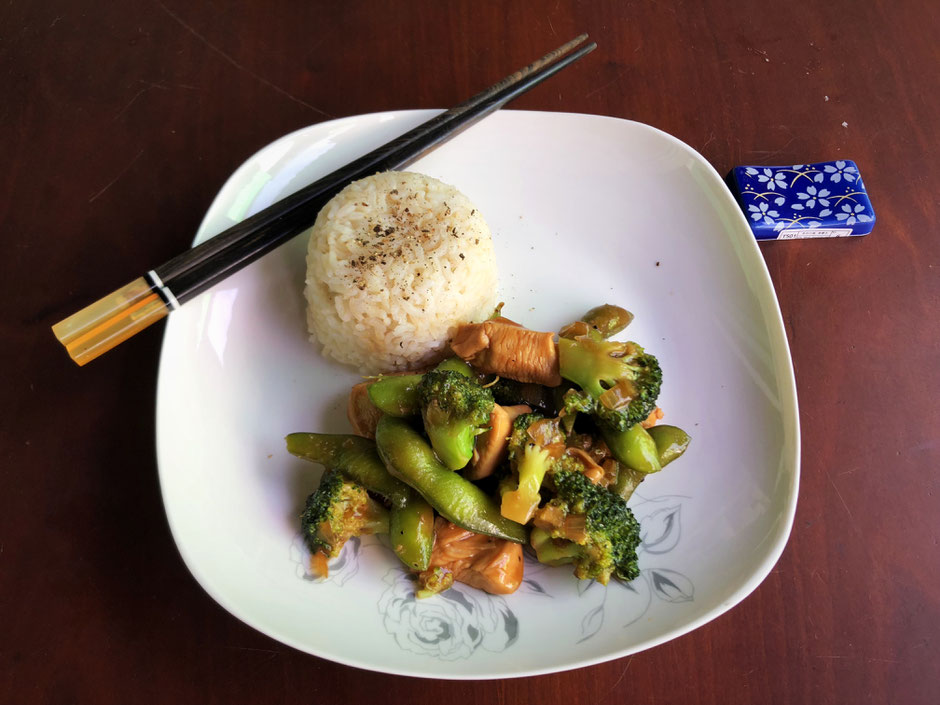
[[584, 210]]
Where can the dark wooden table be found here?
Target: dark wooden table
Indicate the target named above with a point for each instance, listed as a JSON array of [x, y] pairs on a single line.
[[121, 120]]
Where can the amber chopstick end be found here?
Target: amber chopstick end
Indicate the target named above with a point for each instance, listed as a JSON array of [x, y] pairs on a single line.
[[109, 321]]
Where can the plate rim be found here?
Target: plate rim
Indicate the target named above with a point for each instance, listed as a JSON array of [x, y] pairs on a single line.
[[789, 412]]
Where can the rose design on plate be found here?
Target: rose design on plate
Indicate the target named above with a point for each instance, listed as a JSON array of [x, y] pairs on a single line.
[[661, 531], [342, 568], [448, 626]]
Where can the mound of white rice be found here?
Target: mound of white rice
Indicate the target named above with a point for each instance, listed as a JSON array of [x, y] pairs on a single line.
[[395, 262]]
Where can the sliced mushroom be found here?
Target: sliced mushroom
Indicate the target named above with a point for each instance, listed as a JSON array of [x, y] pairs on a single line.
[[362, 413], [491, 447], [592, 471]]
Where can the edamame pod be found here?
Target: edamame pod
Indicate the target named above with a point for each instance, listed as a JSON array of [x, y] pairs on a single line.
[[634, 448], [600, 323], [411, 519], [455, 364], [409, 457], [354, 456], [397, 395], [607, 319], [411, 531], [671, 442], [627, 481]]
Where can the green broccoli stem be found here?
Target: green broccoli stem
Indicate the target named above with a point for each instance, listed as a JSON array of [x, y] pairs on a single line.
[[520, 504], [621, 378], [551, 551], [452, 440], [455, 364], [585, 363], [455, 410], [377, 521]]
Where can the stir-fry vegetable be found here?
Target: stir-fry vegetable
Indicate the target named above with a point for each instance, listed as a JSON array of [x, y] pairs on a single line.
[[337, 511], [622, 379], [459, 483], [409, 457], [455, 409], [397, 395], [410, 521], [671, 442]]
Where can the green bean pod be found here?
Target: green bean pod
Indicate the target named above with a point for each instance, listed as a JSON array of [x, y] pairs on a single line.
[[354, 456], [409, 457], [411, 531], [397, 395], [671, 442], [457, 365], [634, 448], [607, 320], [600, 323], [627, 481]]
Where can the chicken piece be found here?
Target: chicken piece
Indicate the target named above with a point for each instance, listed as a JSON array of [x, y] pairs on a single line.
[[361, 412], [504, 348], [489, 564], [492, 447]]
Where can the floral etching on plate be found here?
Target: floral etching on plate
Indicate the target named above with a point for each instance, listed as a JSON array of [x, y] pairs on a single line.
[[463, 620]]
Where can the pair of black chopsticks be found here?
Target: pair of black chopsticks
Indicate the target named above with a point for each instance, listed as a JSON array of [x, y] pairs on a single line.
[[111, 320]]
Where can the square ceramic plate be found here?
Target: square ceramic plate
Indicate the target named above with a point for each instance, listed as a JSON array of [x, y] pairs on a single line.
[[584, 210]]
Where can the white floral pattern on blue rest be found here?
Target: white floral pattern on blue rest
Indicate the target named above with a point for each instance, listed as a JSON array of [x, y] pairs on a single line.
[[826, 199]]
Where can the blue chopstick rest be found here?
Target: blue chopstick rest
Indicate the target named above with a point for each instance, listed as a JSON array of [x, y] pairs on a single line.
[[826, 199]]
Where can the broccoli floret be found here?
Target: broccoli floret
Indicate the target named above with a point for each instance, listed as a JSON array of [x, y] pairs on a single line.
[[530, 462], [606, 540], [622, 379], [337, 511], [552, 551], [519, 438], [520, 504], [434, 581], [455, 410], [573, 402]]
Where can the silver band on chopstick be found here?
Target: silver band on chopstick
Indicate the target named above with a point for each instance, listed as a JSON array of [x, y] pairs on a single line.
[[157, 283]]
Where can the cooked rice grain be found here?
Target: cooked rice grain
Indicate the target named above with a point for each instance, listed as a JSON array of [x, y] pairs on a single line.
[[395, 262]]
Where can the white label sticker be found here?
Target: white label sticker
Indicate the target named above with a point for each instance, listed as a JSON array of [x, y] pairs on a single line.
[[799, 233]]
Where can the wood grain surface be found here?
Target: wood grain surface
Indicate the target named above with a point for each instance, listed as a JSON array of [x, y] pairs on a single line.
[[120, 121]]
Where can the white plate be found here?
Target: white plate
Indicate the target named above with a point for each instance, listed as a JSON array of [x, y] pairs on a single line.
[[584, 210]]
